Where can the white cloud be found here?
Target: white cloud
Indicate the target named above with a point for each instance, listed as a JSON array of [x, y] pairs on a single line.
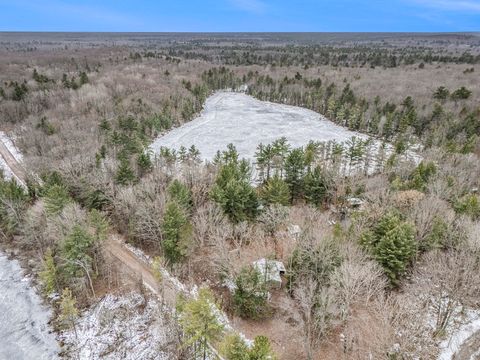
[[451, 5], [252, 6]]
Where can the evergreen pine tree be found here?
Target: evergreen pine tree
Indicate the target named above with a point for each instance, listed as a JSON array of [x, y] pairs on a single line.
[[83, 78], [233, 347], [250, 296], [144, 163], [105, 125], [276, 191], [68, 310], [392, 244], [316, 187], [65, 82], [199, 322], [125, 174], [441, 93], [261, 349], [181, 194], [76, 251], [233, 191], [177, 233], [193, 153], [48, 274], [56, 198], [294, 172], [395, 250]]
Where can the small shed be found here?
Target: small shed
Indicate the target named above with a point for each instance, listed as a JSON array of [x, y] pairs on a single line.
[[271, 271]]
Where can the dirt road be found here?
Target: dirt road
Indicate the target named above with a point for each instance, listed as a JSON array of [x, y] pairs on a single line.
[[16, 168], [167, 291]]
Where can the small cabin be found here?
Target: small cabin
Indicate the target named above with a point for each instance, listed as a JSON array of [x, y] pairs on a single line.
[[271, 270]]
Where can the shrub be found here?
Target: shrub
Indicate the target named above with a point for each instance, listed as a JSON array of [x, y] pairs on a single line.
[[235, 348], [468, 205], [461, 94]]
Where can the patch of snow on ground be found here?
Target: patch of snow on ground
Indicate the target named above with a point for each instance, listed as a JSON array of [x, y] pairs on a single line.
[[122, 327], [7, 173], [453, 343]]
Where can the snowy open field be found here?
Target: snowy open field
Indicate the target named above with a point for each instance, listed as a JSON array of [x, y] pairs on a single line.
[[240, 119]]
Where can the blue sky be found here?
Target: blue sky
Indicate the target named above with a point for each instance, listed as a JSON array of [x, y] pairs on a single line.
[[240, 15]]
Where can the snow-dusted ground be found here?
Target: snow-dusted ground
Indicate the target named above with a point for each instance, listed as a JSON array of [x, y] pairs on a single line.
[[450, 346], [5, 169], [24, 330], [122, 327], [244, 121]]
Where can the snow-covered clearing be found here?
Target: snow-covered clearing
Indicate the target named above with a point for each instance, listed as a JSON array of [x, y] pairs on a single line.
[[237, 118], [244, 121], [122, 327]]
